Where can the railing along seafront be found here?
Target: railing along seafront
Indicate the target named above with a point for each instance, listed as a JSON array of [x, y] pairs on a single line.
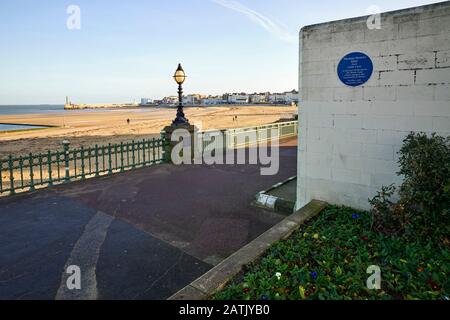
[[27, 173]]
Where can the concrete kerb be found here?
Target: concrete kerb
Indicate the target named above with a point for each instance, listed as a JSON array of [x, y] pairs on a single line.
[[216, 279], [264, 200]]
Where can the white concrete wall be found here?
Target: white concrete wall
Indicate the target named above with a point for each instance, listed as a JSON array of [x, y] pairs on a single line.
[[349, 137]]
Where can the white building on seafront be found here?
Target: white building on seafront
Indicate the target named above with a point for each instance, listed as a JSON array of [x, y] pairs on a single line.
[[146, 101], [277, 98], [192, 99], [239, 98], [213, 100], [287, 98], [259, 98], [171, 100], [292, 97]]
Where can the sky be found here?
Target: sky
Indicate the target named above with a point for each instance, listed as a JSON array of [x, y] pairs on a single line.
[[127, 50]]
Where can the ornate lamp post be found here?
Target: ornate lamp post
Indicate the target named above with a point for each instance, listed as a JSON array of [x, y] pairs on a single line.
[[180, 77], [180, 121]]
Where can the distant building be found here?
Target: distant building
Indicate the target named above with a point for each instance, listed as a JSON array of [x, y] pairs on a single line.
[[277, 98], [239, 98], [286, 98], [192, 99], [68, 103], [146, 101], [217, 100], [292, 97], [171, 100], [259, 98], [226, 97]]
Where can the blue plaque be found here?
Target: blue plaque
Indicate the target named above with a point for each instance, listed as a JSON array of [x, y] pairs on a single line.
[[355, 69]]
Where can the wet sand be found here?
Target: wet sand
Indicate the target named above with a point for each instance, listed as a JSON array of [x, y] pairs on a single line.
[[88, 128]]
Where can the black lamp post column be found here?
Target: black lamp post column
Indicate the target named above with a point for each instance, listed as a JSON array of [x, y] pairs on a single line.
[[180, 77], [181, 118]]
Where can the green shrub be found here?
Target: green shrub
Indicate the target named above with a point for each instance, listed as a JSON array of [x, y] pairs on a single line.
[[423, 208], [388, 217], [425, 166]]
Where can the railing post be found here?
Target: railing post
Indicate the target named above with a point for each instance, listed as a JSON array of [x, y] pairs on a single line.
[[122, 169], [154, 150], [97, 173], [89, 158], [66, 145], [1, 176], [11, 175], [21, 172], [41, 173], [31, 163], [58, 162], [110, 171], [133, 156], [49, 163], [116, 161], [127, 147], [103, 159], [83, 169], [143, 153]]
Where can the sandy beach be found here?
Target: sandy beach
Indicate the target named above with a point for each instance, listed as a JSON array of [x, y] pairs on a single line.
[[88, 128]]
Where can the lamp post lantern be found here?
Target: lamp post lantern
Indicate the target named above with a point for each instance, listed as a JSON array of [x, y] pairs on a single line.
[[180, 77]]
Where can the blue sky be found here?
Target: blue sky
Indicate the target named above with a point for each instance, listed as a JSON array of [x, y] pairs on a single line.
[[126, 50]]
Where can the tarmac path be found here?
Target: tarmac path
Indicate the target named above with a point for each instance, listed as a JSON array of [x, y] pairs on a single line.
[[142, 234]]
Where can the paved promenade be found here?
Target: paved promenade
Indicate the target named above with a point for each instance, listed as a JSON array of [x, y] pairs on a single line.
[[143, 234]]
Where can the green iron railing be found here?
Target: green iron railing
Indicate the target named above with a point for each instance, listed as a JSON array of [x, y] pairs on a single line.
[[242, 137], [26, 173]]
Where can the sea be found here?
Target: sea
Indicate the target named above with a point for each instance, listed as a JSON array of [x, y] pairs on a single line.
[[48, 109], [30, 109], [43, 109]]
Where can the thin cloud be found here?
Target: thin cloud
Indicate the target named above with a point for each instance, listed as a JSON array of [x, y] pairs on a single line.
[[261, 20]]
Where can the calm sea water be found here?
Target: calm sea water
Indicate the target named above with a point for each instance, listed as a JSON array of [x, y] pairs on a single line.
[[8, 110], [14, 127], [22, 109], [48, 109]]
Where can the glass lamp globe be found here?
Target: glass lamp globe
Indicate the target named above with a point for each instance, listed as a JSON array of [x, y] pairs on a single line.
[[179, 76]]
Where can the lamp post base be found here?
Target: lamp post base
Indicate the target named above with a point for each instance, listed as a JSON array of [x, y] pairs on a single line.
[[182, 121], [168, 132]]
